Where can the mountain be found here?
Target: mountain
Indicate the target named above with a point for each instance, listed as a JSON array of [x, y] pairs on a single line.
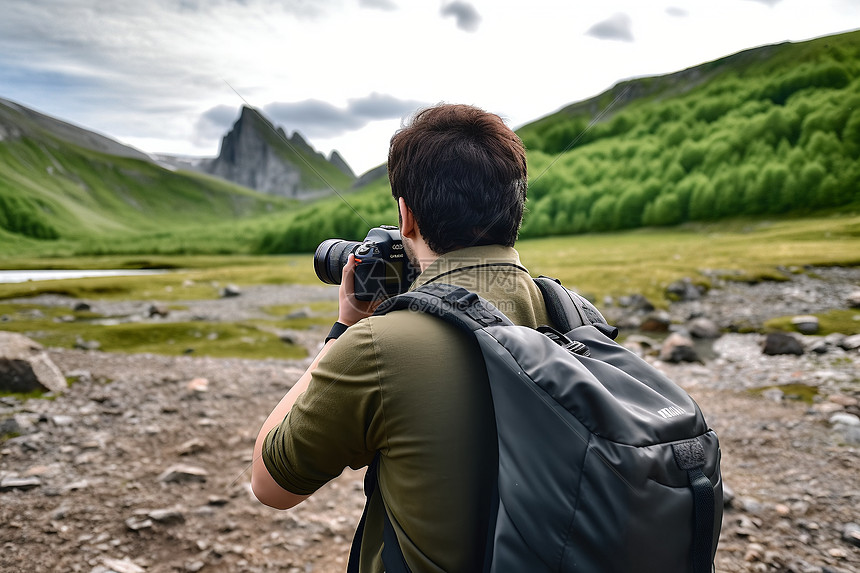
[[256, 154], [58, 181], [17, 121], [765, 133]]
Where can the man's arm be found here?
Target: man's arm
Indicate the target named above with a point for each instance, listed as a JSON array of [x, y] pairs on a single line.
[[264, 486]]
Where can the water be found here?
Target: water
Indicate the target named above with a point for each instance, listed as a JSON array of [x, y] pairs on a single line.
[[50, 275]]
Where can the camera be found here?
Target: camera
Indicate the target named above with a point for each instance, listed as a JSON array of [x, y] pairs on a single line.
[[382, 268]]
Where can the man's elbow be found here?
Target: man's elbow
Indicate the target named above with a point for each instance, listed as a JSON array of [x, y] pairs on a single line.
[[268, 492]]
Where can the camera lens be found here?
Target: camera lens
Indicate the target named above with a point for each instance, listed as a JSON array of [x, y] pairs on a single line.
[[330, 258]]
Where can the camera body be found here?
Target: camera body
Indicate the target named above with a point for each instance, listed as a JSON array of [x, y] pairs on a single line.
[[382, 268]]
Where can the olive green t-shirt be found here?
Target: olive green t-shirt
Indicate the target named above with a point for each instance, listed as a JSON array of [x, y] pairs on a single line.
[[415, 389]]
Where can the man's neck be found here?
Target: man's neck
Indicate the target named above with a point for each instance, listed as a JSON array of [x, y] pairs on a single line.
[[419, 252]]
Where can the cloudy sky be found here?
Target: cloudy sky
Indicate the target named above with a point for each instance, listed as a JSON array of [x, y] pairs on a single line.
[[170, 75]]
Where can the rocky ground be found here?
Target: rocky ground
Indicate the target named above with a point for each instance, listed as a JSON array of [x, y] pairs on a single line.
[[142, 464]]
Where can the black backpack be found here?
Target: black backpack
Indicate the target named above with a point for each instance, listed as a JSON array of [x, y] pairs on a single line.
[[605, 465]]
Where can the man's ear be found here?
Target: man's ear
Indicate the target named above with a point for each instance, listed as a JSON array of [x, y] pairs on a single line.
[[408, 227]]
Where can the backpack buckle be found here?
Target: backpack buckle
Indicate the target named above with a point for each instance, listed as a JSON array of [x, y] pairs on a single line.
[[482, 316], [572, 346]]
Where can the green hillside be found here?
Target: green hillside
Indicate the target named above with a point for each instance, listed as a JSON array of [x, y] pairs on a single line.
[[51, 188], [772, 131], [768, 131]]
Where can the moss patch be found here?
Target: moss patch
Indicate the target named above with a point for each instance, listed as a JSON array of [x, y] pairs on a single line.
[[800, 392], [322, 313], [49, 326], [30, 312], [219, 340], [24, 396], [8, 436], [842, 321]]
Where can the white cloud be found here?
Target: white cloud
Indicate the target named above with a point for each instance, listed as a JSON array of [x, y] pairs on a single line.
[[316, 118]]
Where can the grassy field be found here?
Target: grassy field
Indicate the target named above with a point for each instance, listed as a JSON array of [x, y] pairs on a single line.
[[643, 261], [646, 261]]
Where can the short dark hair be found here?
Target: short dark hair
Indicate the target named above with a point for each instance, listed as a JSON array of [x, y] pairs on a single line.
[[463, 173]]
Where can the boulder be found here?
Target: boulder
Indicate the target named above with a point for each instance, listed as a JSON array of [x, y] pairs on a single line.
[[198, 385], [180, 473], [853, 299], [230, 291], [658, 321], [636, 302], [26, 367], [166, 516], [850, 342], [678, 348], [288, 338], [137, 523], [703, 328], [304, 312], [781, 343], [626, 322], [843, 400], [82, 344], [157, 311], [845, 419], [124, 565], [9, 483], [848, 425], [683, 290], [642, 345], [9, 427], [805, 324], [851, 534]]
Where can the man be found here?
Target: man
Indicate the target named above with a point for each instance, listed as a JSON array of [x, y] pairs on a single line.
[[407, 385]]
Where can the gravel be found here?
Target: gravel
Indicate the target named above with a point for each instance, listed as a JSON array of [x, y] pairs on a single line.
[[88, 463]]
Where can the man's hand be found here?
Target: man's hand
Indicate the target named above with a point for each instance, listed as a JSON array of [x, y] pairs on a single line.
[[351, 310]]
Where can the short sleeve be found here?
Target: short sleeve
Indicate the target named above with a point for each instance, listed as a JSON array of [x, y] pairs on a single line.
[[337, 422]]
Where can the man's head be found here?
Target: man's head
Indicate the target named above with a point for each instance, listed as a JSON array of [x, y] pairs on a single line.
[[462, 172]]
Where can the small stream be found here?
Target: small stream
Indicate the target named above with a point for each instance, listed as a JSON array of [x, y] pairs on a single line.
[[59, 274]]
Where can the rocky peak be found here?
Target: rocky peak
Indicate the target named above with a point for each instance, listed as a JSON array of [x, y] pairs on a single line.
[[371, 175], [299, 142], [339, 162], [257, 154]]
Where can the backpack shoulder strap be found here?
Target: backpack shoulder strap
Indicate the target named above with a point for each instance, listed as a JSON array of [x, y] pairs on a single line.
[[569, 310], [469, 312], [454, 304]]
